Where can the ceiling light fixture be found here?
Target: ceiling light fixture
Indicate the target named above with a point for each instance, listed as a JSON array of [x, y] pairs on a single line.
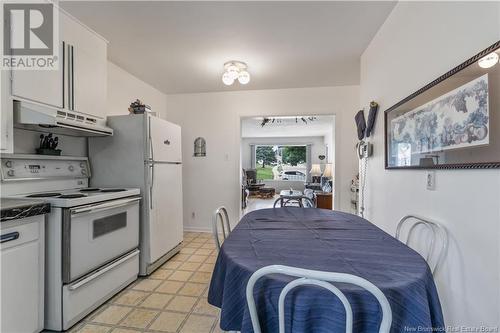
[[235, 70], [488, 61]]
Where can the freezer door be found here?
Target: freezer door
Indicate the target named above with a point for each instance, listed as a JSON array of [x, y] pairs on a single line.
[[164, 140], [165, 209]]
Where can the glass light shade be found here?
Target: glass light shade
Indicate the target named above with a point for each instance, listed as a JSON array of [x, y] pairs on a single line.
[[227, 79], [316, 170], [244, 77], [233, 71], [328, 173], [488, 61]]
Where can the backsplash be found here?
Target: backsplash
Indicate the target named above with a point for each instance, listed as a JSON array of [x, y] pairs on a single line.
[[25, 142]]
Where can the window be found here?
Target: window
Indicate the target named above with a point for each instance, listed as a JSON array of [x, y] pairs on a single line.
[[281, 162]]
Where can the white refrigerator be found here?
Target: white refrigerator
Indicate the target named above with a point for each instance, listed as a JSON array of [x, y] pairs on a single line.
[[145, 152]]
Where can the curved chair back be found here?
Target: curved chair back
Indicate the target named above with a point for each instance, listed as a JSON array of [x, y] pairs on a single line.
[[220, 215], [434, 255], [321, 279], [294, 202]]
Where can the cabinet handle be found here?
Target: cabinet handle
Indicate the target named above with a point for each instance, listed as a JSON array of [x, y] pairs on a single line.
[[9, 237]]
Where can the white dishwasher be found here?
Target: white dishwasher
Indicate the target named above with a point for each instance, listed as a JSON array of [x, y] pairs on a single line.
[[22, 265]]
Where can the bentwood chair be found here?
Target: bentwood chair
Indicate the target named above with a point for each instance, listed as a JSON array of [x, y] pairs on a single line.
[[437, 243], [220, 215], [320, 279]]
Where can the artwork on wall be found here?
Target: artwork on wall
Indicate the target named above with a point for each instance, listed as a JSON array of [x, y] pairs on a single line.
[[451, 123]]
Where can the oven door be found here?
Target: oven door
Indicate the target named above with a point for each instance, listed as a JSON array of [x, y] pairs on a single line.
[[96, 234]]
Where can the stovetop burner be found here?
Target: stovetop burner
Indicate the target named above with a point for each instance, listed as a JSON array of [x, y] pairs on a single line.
[[90, 189], [113, 190], [44, 195], [72, 196]]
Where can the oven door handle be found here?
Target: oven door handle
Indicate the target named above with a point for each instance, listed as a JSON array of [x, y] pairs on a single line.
[[103, 206], [87, 279]]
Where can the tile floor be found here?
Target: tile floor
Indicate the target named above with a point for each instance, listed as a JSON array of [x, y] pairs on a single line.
[[172, 299]]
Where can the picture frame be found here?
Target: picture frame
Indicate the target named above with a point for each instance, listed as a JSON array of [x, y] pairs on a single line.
[[451, 123]]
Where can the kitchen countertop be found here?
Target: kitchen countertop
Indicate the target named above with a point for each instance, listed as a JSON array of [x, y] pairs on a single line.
[[12, 209]]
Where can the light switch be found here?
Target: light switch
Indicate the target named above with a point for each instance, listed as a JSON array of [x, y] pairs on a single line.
[[431, 180]]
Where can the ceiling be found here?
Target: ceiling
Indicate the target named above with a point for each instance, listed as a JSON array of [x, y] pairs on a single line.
[[180, 47], [287, 127]]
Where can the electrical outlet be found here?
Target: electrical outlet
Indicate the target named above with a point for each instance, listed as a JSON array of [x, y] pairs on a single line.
[[193, 215], [431, 180]]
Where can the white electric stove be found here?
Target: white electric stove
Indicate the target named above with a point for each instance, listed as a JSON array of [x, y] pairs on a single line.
[[92, 234]]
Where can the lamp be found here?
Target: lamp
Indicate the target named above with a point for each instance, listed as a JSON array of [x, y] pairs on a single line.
[[235, 70], [488, 61], [328, 171], [316, 170]]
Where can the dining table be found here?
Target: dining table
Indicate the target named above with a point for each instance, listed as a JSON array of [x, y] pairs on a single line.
[[324, 240]]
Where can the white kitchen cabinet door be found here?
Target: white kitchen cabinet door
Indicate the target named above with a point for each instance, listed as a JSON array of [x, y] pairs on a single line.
[[89, 71], [6, 115], [42, 86], [21, 278]]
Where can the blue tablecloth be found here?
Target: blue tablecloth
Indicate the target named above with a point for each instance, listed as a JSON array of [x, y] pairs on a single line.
[[321, 240]]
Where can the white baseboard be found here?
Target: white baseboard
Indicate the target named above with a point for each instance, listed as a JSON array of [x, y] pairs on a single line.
[[197, 229]]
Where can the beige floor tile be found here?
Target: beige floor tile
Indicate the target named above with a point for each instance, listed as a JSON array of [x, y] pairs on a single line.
[[203, 252], [180, 276], [202, 307], [182, 303], [130, 297], [197, 258], [199, 240], [139, 318], [112, 315], [156, 301], [125, 330], [201, 277], [92, 328], [188, 250], [192, 289], [172, 264], [211, 260], [217, 328], [161, 274], [147, 284], [194, 245], [168, 322], [206, 268], [170, 287], [189, 266], [181, 257], [198, 324], [205, 235], [208, 246]]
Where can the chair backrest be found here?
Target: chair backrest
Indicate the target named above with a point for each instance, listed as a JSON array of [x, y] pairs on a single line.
[[321, 279], [294, 202], [434, 254], [221, 215]]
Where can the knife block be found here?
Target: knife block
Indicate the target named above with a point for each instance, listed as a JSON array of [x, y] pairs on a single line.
[[47, 151]]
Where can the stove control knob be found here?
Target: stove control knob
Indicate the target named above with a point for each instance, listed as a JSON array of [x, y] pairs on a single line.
[[8, 164], [84, 172], [71, 168], [82, 165], [10, 173]]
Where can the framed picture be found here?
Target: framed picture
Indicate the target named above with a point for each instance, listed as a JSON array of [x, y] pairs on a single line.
[[451, 123]]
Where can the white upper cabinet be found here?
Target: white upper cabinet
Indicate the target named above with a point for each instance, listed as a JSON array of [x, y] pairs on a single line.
[[6, 116], [86, 67], [80, 83]]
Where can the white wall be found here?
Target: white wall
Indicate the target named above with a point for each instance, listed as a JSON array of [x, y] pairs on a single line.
[[123, 88], [214, 180], [417, 43]]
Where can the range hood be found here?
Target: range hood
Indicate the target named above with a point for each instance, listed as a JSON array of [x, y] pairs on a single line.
[[42, 118]]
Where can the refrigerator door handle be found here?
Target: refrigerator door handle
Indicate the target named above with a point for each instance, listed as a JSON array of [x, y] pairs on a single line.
[[151, 184], [151, 149]]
